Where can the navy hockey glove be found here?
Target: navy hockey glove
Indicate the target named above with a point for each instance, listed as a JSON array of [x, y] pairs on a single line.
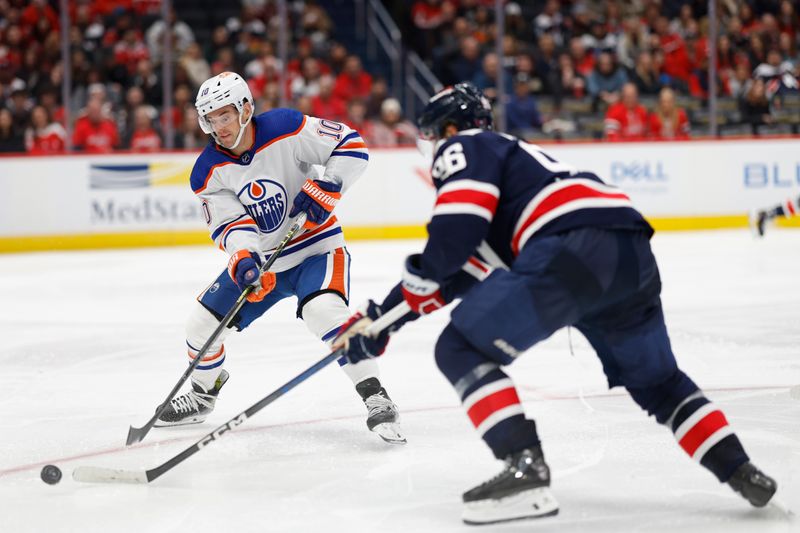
[[316, 199], [243, 269], [423, 295], [357, 346]]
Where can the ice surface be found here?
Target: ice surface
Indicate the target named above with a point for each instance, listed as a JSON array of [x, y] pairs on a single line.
[[92, 341]]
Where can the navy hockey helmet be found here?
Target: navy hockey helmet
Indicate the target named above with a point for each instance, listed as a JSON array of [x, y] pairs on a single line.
[[463, 105]]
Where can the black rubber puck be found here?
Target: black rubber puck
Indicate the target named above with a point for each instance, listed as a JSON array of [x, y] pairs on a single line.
[[51, 474]]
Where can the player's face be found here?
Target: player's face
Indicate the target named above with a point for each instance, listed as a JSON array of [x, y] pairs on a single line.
[[225, 123]]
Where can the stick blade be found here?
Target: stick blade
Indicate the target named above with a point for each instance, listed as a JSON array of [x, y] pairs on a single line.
[[136, 435], [96, 474]]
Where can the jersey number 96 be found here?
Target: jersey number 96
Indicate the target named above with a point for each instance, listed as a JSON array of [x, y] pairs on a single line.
[[451, 161]]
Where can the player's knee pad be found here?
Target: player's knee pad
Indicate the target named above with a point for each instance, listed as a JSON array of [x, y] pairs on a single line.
[[199, 327], [324, 314]]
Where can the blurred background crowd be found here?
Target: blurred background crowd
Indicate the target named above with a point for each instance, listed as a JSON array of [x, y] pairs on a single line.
[[570, 69]]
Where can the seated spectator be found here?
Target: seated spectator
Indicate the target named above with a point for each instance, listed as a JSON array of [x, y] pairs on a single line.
[[522, 115], [667, 121], [190, 136], [627, 119], [44, 136], [566, 81], [326, 104], [606, 80], [307, 82], [740, 81], [464, 65], [353, 82], [391, 129], [357, 119], [486, 78], [777, 74], [755, 107], [582, 61], [11, 138], [645, 75], [145, 138], [195, 65], [378, 93], [94, 132]]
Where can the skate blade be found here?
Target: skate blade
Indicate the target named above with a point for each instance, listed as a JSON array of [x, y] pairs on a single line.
[[533, 503], [186, 422], [390, 432]]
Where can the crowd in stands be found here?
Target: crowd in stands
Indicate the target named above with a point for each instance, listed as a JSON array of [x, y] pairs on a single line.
[[595, 59], [116, 60], [572, 68]]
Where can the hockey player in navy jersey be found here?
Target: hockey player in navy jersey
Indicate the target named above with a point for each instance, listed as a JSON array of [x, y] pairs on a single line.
[[256, 174], [564, 249], [759, 218]]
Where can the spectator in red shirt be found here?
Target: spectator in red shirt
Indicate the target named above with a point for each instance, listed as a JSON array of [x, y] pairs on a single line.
[[353, 82], [93, 131], [357, 119], [44, 136], [326, 104], [668, 121], [145, 138], [626, 120]]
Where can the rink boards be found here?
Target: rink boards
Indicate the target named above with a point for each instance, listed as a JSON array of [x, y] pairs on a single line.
[[80, 201]]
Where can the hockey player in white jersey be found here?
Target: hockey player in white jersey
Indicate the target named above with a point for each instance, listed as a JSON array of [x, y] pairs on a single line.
[[253, 179]]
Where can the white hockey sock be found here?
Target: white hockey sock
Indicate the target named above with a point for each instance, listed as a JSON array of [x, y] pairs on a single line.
[[199, 327], [324, 315]]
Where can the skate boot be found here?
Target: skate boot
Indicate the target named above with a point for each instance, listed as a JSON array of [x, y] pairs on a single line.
[[753, 484], [520, 491], [758, 221], [192, 407], [382, 415]]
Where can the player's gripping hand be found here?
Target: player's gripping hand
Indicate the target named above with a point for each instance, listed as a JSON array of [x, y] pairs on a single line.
[[351, 338], [316, 199], [243, 269], [423, 295]]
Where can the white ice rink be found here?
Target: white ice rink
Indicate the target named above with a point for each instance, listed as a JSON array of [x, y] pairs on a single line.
[[90, 342]]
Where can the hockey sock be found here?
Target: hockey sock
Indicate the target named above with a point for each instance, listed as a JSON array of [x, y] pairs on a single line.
[[700, 428], [488, 395], [200, 326]]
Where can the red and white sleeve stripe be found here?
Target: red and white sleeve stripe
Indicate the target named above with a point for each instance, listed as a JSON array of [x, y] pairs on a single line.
[[467, 197], [560, 198], [789, 207], [702, 430], [493, 403]]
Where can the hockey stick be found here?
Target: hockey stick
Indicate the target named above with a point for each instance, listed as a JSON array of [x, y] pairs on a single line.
[[95, 474], [137, 434]]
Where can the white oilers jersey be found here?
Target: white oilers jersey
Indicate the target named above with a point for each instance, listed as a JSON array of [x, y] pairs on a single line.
[[247, 199]]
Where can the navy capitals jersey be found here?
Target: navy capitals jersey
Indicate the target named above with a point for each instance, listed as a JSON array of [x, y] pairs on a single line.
[[496, 193]]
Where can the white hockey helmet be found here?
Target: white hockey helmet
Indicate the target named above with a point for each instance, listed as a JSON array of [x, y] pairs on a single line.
[[227, 88]]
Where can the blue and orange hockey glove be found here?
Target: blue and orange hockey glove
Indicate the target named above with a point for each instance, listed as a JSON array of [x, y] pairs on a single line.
[[243, 268], [316, 199], [423, 295]]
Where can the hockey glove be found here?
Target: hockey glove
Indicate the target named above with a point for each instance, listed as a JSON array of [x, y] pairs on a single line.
[[317, 199], [243, 270], [350, 338], [423, 295]]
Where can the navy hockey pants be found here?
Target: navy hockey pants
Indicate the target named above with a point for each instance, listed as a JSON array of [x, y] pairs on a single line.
[[606, 284]]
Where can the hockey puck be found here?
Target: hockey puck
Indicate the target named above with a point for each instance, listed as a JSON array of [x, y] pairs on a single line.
[[51, 474]]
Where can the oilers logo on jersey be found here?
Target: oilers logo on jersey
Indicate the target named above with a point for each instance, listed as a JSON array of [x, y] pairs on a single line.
[[265, 201]]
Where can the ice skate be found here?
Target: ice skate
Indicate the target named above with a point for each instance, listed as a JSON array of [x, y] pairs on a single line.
[[753, 484], [758, 221], [520, 491], [192, 407], [382, 415]]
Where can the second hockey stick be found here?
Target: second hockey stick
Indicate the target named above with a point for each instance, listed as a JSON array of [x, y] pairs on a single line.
[[95, 474], [137, 434]]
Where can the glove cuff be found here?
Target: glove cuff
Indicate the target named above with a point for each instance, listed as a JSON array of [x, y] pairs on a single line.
[[326, 199]]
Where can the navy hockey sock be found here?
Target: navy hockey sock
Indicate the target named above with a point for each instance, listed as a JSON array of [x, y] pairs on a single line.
[[489, 396], [700, 428]]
